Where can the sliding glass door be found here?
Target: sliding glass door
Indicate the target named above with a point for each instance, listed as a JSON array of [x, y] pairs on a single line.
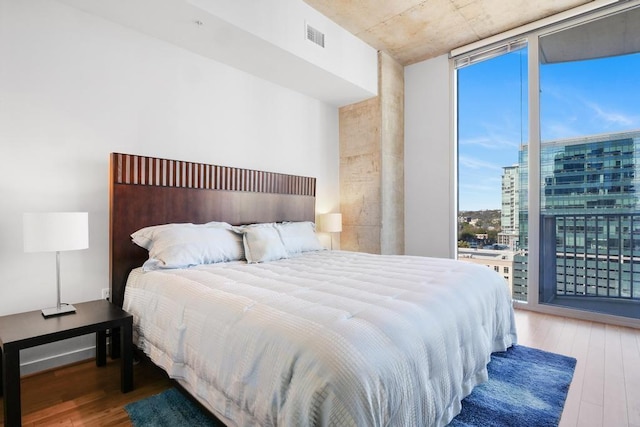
[[566, 186], [589, 166]]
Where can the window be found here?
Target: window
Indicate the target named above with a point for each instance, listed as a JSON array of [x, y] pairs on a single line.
[[492, 128], [589, 135], [564, 185]]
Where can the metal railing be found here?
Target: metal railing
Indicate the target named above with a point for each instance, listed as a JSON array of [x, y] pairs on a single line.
[[590, 255]]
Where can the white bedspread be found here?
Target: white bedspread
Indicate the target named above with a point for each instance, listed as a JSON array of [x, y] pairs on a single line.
[[326, 338]]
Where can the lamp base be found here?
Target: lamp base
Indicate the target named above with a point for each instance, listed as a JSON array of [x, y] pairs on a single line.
[[58, 311]]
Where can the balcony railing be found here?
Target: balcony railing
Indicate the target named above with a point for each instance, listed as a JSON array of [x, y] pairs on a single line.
[[590, 256]]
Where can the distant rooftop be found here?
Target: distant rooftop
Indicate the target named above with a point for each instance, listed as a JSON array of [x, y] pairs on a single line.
[[609, 136], [486, 254]]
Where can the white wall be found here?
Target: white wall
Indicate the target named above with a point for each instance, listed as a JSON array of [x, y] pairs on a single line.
[[74, 87], [266, 39], [429, 162], [282, 23]]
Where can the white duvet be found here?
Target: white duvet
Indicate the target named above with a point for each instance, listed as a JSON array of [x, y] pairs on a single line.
[[325, 338]]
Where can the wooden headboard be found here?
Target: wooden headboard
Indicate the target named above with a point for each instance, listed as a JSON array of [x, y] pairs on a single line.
[[146, 191]]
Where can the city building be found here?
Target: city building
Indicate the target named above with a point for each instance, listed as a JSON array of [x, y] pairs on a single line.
[[590, 242], [501, 261], [595, 173], [510, 213], [589, 206]]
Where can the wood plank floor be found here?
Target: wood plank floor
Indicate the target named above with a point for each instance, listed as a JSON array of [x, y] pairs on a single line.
[[84, 395], [605, 390]]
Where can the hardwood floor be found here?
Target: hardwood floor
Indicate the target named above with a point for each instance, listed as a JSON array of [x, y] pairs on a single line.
[[84, 395], [605, 390]]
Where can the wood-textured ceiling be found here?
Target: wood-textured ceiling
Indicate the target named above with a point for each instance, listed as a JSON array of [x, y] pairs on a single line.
[[414, 30]]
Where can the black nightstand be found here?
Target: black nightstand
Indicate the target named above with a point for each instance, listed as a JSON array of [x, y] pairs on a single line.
[[24, 330]]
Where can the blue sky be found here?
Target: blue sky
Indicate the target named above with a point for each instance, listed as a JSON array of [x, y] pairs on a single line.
[[577, 98]]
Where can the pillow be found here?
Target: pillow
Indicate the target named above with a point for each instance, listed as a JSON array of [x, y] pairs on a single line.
[[184, 245], [144, 237], [262, 242], [299, 237]]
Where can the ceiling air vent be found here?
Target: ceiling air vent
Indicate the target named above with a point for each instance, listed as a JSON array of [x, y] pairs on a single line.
[[315, 36]]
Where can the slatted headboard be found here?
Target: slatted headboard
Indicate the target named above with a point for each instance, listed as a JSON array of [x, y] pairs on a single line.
[[147, 191]]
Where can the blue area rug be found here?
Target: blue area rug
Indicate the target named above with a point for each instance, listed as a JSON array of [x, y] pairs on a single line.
[[171, 408], [526, 387]]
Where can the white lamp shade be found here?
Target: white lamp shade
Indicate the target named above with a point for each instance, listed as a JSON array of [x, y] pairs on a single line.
[[332, 222], [55, 231]]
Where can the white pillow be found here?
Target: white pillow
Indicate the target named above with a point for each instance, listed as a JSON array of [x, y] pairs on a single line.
[[144, 237], [262, 242], [299, 237], [184, 245]]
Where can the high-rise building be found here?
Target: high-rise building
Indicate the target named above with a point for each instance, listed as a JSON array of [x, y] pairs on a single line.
[[585, 175], [589, 218], [510, 212], [589, 205]]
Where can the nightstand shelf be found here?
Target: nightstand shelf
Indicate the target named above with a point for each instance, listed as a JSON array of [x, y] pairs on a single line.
[[24, 330]]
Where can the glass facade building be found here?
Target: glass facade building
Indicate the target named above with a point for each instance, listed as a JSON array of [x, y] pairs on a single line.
[[589, 221], [510, 212], [520, 259], [591, 174]]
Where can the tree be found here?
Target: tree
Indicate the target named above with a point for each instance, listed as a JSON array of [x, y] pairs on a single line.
[[467, 236]]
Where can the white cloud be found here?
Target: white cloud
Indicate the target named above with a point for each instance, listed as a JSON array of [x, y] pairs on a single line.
[[569, 112], [612, 117], [475, 163], [482, 141], [492, 139]]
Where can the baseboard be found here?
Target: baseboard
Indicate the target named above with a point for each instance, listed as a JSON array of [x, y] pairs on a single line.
[[57, 360]]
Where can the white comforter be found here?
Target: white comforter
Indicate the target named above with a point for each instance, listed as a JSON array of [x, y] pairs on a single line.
[[326, 338]]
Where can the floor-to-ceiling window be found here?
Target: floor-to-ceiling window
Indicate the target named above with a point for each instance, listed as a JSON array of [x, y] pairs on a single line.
[[492, 130], [569, 186], [590, 165]]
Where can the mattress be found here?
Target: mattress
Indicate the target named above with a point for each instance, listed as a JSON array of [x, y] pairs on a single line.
[[325, 338]]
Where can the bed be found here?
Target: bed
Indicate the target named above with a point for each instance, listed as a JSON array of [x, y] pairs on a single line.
[[314, 337]]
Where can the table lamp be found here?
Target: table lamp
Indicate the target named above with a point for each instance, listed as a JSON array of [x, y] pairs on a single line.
[[56, 232], [331, 223]]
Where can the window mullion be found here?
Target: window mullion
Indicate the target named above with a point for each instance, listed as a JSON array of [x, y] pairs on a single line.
[[533, 277]]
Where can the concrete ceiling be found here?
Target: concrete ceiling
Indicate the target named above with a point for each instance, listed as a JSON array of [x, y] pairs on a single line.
[[414, 30]]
